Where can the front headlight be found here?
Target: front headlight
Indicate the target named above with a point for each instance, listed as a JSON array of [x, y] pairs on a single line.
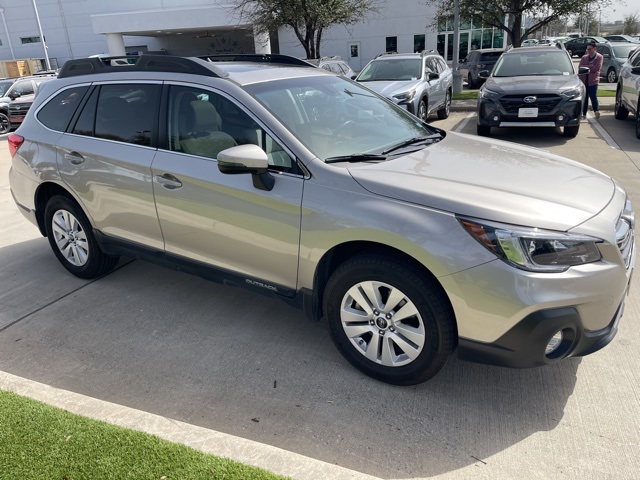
[[574, 92], [533, 249], [405, 96], [489, 94]]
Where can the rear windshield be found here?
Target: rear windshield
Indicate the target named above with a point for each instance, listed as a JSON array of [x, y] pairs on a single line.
[[490, 56], [623, 51]]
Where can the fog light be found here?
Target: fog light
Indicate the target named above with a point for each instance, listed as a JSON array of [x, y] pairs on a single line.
[[560, 118], [496, 118], [554, 343]]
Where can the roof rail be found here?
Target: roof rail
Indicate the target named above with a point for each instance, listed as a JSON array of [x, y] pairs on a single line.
[[386, 53], [258, 58], [139, 63]]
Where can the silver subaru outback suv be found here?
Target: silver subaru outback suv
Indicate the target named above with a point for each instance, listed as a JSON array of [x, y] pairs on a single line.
[[291, 181]]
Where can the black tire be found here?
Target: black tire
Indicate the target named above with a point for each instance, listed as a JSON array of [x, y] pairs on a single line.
[[5, 124], [414, 347], [571, 132], [619, 111], [612, 76], [470, 83], [422, 113], [72, 241], [446, 108], [483, 130]]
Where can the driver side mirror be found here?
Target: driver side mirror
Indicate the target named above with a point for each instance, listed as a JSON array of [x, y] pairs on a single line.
[[583, 71], [249, 159], [432, 76], [13, 95], [484, 74]]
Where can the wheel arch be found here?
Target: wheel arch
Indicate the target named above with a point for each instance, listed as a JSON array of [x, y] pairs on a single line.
[[43, 195], [338, 254]]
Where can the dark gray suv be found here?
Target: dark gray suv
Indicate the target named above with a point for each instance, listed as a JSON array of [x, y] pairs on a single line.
[[532, 87], [476, 62]]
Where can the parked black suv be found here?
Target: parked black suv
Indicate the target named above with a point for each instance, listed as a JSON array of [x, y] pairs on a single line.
[[477, 61], [532, 87]]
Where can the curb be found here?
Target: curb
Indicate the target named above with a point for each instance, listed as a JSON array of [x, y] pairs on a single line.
[[274, 459]]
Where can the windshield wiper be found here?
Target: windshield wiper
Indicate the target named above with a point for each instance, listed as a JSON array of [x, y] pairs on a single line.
[[413, 141], [356, 157]]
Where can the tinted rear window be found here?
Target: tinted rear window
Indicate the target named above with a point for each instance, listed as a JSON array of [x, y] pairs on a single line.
[[490, 56], [57, 113]]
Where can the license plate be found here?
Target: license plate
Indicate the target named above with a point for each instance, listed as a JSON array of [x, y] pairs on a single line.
[[528, 112]]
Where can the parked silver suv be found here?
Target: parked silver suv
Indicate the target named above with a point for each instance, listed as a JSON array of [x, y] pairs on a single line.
[[303, 185], [628, 90], [420, 82]]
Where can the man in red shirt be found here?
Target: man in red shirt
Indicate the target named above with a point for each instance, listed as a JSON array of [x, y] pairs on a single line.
[[593, 61]]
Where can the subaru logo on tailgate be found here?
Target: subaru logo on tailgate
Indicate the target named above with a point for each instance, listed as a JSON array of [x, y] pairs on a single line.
[[530, 99]]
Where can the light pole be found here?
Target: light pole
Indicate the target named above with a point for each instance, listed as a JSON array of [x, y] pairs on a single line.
[[44, 45], [4, 21], [457, 78]]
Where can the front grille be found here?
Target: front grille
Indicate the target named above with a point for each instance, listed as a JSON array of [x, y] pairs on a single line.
[[625, 235], [544, 103], [19, 108]]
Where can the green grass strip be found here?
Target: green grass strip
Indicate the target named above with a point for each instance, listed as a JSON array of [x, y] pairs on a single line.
[[38, 441]]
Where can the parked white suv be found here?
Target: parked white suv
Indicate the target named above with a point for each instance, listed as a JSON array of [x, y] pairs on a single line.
[[306, 186]]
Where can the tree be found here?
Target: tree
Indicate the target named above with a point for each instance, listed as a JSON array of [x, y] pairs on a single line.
[[631, 24], [307, 18], [510, 15]]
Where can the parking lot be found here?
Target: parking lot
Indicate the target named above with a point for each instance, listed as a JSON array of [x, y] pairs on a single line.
[[235, 362]]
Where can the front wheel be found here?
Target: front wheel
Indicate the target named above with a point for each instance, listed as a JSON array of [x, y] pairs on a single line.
[[619, 111], [446, 108], [5, 124], [612, 76], [422, 110], [389, 320], [571, 132], [72, 240], [483, 130]]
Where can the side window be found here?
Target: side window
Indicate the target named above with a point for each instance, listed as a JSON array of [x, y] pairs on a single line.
[[432, 65], [57, 113], [203, 123], [123, 112], [326, 67], [335, 68], [635, 61], [602, 49]]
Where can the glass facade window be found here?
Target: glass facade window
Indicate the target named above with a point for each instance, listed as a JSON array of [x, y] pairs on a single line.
[[418, 43], [30, 39], [391, 44]]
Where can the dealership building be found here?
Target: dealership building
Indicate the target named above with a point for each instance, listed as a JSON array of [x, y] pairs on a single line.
[[80, 28]]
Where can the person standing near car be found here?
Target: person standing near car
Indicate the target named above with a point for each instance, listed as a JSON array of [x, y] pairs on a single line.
[[593, 61]]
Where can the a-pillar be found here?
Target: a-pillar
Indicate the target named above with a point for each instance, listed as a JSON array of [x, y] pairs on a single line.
[[115, 44]]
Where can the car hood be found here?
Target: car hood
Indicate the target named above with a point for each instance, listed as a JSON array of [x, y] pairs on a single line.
[[391, 88], [492, 180], [533, 84]]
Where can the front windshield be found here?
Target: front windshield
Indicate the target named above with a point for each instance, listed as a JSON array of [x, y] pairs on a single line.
[[623, 51], [533, 63], [391, 69], [336, 117]]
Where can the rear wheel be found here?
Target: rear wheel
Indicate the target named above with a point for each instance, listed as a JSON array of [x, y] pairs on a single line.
[[389, 320], [612, 76], [571, 132], [619, 111], [72, 240], [483, 130], [446, 108], [5, 124], [470, 82]]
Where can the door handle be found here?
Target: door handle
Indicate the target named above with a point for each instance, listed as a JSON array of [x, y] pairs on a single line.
[[74, 157], [167, 181]]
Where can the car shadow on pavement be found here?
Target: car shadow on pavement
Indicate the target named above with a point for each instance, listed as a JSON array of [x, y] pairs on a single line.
[[230, 360]]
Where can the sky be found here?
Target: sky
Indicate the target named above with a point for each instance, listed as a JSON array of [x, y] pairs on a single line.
[[620, 8]]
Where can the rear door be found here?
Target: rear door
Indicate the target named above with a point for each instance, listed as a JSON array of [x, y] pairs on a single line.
[[105, 157]]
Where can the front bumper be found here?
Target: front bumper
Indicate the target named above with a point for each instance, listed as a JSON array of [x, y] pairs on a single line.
[[498, 114], [524, 345]]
